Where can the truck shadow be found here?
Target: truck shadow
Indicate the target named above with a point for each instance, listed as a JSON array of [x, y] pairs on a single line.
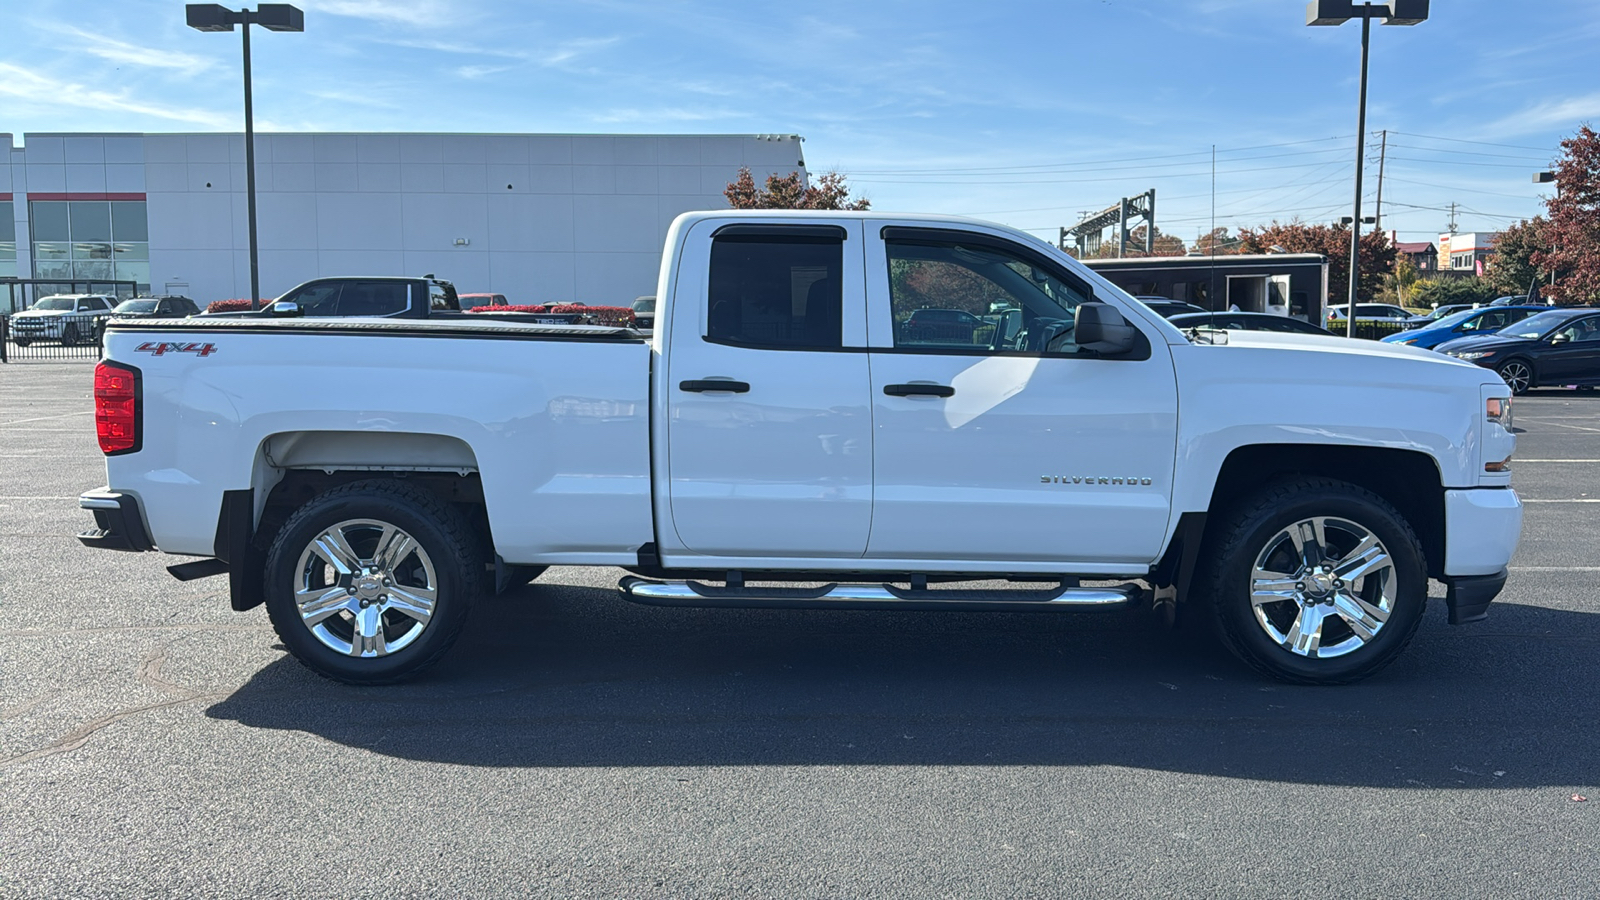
[[573, 676]]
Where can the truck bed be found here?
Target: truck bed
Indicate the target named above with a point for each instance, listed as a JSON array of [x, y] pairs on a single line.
[[486, 329]]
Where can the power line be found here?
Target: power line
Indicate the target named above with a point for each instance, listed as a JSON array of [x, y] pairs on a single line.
[[1469, 152], [1434, 137], [995, 170]]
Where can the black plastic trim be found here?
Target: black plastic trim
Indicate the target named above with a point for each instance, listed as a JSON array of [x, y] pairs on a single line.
[[490, 330], [702, 386], [118, 529], [800, 234], [1468, 596], [235, 546], [919, 390]]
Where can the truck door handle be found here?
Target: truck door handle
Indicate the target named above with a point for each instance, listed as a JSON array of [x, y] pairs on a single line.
[[712, 385], [916, 390]]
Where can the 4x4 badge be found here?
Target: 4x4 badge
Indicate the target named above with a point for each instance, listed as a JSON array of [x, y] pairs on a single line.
[[159, 348]]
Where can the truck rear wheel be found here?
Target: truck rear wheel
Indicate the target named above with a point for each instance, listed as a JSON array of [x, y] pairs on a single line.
[[371, 582], [1316, 581]]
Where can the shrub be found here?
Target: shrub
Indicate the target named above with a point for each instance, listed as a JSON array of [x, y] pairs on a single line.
[[514, 308], [616, 316], [218, 306]]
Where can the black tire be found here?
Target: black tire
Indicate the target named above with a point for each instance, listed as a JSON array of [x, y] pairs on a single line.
[[22, 342], [1247, 532], [445, 541], [69, 335], [1518, 375]]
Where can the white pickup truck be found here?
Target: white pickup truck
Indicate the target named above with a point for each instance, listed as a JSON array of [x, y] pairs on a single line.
[[835, 410]]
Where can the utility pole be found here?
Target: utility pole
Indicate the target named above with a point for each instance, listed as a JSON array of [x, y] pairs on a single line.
[[1383, 153], [1453, 218]]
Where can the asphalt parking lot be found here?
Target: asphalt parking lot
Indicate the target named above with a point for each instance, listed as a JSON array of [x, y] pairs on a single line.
[[152, 742]]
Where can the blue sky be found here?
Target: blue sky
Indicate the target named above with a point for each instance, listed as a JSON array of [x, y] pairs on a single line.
[[1025, 113]]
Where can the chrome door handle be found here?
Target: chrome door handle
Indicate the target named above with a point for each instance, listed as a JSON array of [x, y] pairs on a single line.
[[712, 385], [917, 390]]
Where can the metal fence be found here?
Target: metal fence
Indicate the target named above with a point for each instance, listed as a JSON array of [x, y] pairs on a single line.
[[72, 337]]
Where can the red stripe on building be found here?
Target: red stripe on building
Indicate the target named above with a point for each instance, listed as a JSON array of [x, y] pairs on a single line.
[[5, 196], [88, 196]]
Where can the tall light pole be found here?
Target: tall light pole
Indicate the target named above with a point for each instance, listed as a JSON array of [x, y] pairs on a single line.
[[1338, 12], [1547, 178], [273, 17]]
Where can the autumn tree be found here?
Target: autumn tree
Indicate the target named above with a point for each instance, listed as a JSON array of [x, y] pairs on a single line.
[[791, 192], [1512, 270], [1216, 242], [1164, 245], [1376, 257], [1573, 227]]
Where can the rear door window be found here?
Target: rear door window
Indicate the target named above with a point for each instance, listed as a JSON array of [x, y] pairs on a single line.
[[777, 291], [374, 298]]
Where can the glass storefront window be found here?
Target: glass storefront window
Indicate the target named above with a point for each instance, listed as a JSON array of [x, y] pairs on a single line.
[[49, 220], [90, 220], [8, 241], [128, 221], [99, 270], [83, 231]]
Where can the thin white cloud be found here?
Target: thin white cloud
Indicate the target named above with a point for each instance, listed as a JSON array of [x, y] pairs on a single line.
[[566, 51], [635, 116], [1559, 115], [474, 72], [453, 47], [45, 91], [124, 53], [415, 13]]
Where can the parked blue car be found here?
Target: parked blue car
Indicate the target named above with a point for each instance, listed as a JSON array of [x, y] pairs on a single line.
[[1483, 320]]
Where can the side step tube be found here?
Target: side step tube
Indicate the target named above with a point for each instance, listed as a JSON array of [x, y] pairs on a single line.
[[879, 596]]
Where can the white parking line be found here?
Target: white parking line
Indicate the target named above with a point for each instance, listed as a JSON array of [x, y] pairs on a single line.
[[1521, 462], [1576, 500], [81, 412], [1554, 568]]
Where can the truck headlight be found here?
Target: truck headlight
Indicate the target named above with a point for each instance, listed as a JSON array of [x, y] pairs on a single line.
[[1498, 411]]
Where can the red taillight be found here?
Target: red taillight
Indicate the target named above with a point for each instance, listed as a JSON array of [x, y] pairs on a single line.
[[116, 407]]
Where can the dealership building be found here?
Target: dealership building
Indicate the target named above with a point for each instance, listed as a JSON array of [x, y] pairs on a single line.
[[537, 217]]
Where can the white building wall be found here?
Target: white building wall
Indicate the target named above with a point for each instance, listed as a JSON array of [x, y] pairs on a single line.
[[538, 218]]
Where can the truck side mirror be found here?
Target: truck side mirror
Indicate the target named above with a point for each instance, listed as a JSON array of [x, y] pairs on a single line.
[[1101, 328], [286, 308]]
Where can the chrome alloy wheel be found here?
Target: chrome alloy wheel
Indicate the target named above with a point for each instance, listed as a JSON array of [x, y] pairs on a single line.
[[365, 588], [1517, 376], [1323, 587]]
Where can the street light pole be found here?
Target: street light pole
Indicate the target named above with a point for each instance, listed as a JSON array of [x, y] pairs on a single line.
[[273, 17], [1337, 12], [250, 169]]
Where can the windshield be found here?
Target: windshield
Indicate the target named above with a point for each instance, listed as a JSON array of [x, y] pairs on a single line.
[[55, 303], [1454, 319], [136, 306], [1536, 326]]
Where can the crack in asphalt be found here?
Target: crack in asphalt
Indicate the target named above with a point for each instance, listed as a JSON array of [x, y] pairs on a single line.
[[149, 672]]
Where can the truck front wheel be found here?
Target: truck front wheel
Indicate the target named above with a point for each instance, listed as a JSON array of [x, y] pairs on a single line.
[[370, 582], [1316, 581]]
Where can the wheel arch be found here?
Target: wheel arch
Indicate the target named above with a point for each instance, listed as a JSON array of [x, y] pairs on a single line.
[[1407, 479]]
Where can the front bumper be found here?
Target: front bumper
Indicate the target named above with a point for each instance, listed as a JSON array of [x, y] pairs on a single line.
[[36, 328], [1481, 529], [119, 523]]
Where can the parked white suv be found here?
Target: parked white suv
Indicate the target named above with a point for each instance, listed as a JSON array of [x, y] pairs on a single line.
[[68, 318]]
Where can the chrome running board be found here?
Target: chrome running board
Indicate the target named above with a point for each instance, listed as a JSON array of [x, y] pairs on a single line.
[[879, 596]]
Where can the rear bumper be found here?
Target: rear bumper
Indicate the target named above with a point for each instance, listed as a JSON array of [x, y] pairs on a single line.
[[1481, 529], [119, 523]]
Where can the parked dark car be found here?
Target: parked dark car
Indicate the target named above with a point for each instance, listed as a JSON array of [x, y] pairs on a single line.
[[1556, 347], [1165, 308], [1246, 321], [1482, 321], [156, 308], [473, 301]]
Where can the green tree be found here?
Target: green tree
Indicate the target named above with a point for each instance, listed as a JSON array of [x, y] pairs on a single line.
[[1441, 291], [1376, 254], [1511, 270], [790, 192]]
